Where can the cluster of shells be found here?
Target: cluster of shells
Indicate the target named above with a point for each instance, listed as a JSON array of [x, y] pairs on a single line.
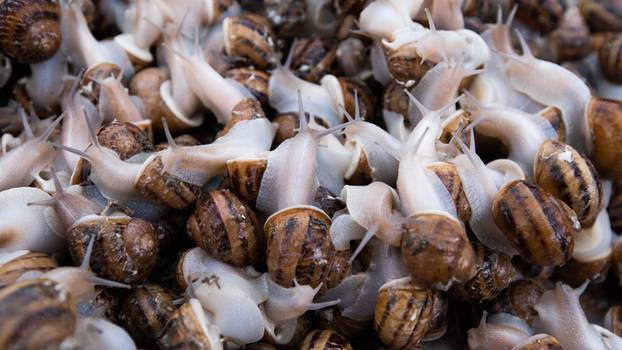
[[311, 174]]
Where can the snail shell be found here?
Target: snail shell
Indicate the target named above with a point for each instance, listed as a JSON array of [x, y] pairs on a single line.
[[124, 138], [605, 122], [494, 274], [287, 16], [576, 272], [26, 262], [571, 39], [226, 228], [437, 326], [188, 329], [567, 175], [395, 99], [125, 249], [366, 103], [340, 268], [255, 80], [539, 342], [181, 140], [29, 29], [89, 84], [299, 246], [145, 311], [615, 211], [609, 58], [331, 318], [540, 227], [405, 64], [602, 15], [250, 38], [325, 340], [519, 299], [486, 10], [540, 15], [35, 314], [155, 183], [530, 270], [245, 177], [313, 57], [246, 109], [449, 176], [436, 250], [613, 319], [554, 116], [403, 313]]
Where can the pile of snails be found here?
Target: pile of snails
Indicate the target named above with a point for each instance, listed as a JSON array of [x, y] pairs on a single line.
[[311, 174]]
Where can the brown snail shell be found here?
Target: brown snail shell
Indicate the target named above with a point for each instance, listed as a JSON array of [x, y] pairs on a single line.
[[287, 123], [539, 342], [539, 226], [156, 184], [343, 7], [89, 85], [609, 58], [530, 270], [576, 272], [145, 312], [255, 80], [313, 57], [245, 177], [366, 103], [286, 16], [616, 260], [602, 15], [605, 123], [11, 270], [571, 39], [613, 319], [436, 250], [437, 326], [299, 246], [226, 228], [249, 37], [403, 313], [563, 172], [540, 15], [125, 249], [325, 340], [30, 29], [35, 314], [554, 116], [405, 64], [340, 268], [331, 318], [186, 329], [486, 10], [181, 140], [448, 174], [494, 273], [395, 99], [519, 299], [615, 211], [328, 202], [124, 138], [246, 109]]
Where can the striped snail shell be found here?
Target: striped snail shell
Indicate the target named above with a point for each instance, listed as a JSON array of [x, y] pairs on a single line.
[[325, 340], [227, 228], [26, 262], [249, 37], [124, 138], [35, 314], [29, 29], [539, 226], [245, 177]]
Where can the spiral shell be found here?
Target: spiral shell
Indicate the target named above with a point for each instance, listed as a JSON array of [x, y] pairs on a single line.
[[449, 176], [609, 58], [255, 80], [11, 270], [30, 29], [395, 99], [188, 329], [124, 138], [554, 116], [405, 64], [145, 312], [540, 227], [605, 123], [245, 177], [246, 109], [575, 272], [494, 274], [403, 313], [540, 15], [250, 38], [325, 340], [35, 314], [615, 211], [365, 99], [299, 246], [602, 15], [436, 250], [567, 175], [155, 183], [518, 299], [313, 57], [125, 249], [226, 228]]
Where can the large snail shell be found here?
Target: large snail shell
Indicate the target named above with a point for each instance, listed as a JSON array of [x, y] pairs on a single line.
[[30, 29], [609, 58], [325, 340], [188, 329], [602, 15], [250, 37], [11, 270], [226, 228], [125, 249], [540, 227], [615, 211], [245, 177], [35, 314], [299, 246], [145, 312], [605, 122], [124, 138], [566, 174], [255, 80], [403, 313], [436, 250]]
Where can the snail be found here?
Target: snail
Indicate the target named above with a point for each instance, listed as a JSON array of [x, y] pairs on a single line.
[[30, 31], [287, 17], [498, 331], [519, 299], [43, 84], [543, 16], [571, 39], [98, 332], [189, 325], [602, 15], [612, 319], [324, 340], [249, 37], [126, 139], [313, 57], [14, 264]]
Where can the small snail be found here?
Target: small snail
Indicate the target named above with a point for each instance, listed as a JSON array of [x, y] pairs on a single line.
[[325, 340], [30, 30], [145, 312], [226, 228], [540, 227]]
